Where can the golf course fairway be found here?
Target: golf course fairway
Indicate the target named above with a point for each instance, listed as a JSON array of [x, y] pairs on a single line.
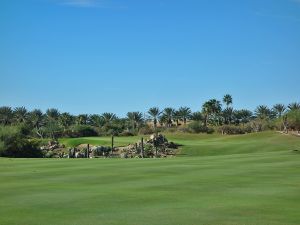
[[247, 179]]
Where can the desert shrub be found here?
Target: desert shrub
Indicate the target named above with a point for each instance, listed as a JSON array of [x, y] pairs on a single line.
[[14, 143], [183, 129], [52, 130], [127, 133], [210, 130], [259, 124], [114, 132], [83, 131], [293, 119], [148, 150], [198, 127], [68, 133], [115, 128], [49, 154], [279, 123], [231, 129], [146, 130], [269, 125], [247, 128], [99, 131]]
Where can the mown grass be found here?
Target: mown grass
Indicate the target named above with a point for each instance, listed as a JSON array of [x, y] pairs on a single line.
[[251, 179], [206, 144]]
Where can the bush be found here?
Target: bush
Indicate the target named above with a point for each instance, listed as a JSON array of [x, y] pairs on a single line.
[[146, 130], [13, 143], [247, 128], [197, 127], [293, 118], [83, 131], [127, 133], [183, 129], [231, 129], [210, 130], [49, 154]]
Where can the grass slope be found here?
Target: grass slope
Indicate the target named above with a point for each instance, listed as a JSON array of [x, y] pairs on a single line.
[[251, 179], [207, 144]]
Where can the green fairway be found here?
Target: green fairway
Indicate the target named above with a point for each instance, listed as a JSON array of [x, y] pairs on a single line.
[[249, 179], [207, 144]]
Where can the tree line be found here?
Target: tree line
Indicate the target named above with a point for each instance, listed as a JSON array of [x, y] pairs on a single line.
[[215, 115]]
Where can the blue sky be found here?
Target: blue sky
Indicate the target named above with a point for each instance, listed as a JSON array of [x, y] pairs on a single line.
[[93, 56]]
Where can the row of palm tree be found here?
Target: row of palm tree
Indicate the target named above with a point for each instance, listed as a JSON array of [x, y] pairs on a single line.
[[168, 115], [264, 112], [211, 113]]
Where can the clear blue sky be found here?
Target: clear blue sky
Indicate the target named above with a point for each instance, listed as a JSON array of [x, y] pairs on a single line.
[[93, 56]]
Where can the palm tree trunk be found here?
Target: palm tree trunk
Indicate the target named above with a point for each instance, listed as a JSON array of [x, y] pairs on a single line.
[[205, 120], [155, 126], [38, 133]]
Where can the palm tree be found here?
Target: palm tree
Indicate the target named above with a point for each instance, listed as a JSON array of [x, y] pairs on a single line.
[[108, 117], [96, 120], [135, 118], [36, 118], [163, 120], [263, 112], [206, 111], [279, 109], [211, 108], [242, 116], [168, 114], [66, 120], [176, 117], [227, 114], [227, 99], [6, 115], [154, 113], [20, 114], [197, 116], [184, 114], [52, 114], [82, 119], [294, 106]]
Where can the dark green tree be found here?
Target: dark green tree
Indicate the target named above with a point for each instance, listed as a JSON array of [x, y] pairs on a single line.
[[135, 119], [20, 115], [263, 112], [279, 109], [228, 115], [154, 113], [37, 121], [197, 116], [242, 116], [294, 106], [211, 109], [227, 99], [96, 120], [6, 115], [52, 124], [66, 120], [82, 119], [168, 115], [108, 117], [184, 114]]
